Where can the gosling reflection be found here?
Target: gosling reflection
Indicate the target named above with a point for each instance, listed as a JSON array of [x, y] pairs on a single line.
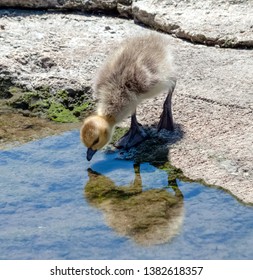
[[148, 217]]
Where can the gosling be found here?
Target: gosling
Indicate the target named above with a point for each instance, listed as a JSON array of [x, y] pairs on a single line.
[[140, 68]]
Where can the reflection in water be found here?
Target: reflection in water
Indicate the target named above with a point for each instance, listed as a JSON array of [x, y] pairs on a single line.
[[148, 217], [43, 214]]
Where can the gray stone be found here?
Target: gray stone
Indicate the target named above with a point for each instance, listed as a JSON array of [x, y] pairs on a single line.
[[211, 22], [85, 5], [125, 10]]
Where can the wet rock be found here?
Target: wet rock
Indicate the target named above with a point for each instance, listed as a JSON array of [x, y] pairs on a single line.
[[5, 84], [16, 128], [61, 106]]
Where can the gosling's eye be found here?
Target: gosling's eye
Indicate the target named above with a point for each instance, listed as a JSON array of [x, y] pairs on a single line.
[[95, 142]]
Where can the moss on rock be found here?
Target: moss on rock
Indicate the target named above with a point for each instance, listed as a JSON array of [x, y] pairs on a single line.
[[79, 109], [59, 106], [57, 112]]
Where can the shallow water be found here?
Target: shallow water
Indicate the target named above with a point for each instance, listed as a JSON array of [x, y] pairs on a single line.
[[56, 205]]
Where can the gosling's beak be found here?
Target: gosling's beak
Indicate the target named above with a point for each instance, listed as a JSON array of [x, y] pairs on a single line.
[[90, 154]]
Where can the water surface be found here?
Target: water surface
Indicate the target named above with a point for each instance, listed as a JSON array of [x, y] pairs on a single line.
[[56, 205]]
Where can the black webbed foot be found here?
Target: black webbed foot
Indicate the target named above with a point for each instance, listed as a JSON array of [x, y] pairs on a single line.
[[133, 137]]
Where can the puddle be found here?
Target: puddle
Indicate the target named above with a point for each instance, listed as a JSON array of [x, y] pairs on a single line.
[[56, 205]]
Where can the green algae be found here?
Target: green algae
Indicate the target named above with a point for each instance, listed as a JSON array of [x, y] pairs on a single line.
[[62, 94], [60, 106], [81, 108], [33, 100], [15, 90], [58, 113], [40, 105]]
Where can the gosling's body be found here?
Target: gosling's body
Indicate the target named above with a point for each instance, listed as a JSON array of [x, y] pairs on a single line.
[[140, 68]]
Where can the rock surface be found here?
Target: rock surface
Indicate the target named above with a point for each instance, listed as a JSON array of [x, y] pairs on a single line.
[[225, 23], [85, 5], [213, 102]]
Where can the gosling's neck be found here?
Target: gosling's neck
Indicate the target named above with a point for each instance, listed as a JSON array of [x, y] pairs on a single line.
[[109, 119], [114, 112]]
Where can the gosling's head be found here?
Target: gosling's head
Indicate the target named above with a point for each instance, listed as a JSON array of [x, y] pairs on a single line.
[[95, 133]]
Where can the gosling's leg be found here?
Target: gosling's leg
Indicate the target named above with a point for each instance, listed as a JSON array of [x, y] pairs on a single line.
[[166, 119], [133, 137], [136, 186]]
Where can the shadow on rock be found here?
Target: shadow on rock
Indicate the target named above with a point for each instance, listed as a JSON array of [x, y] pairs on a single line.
[[156, 148], [148, 217]]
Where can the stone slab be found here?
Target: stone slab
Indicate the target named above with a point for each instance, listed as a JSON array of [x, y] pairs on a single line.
[[226, 23], [211, 22]]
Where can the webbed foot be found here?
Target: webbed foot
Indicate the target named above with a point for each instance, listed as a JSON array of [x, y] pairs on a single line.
[[133, 137]]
